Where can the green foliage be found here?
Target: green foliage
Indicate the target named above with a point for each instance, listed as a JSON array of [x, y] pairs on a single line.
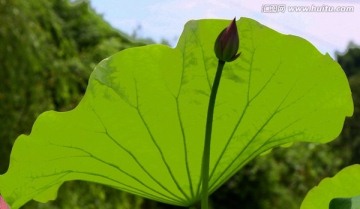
[[348, 146], [340, 203], [350, 61], [85, 195], [279, 179], [118, 135], [345, 184], [44, 66], [46, 58], [345, 203]]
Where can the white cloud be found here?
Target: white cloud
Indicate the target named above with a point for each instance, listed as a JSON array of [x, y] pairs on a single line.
[[327, 31]]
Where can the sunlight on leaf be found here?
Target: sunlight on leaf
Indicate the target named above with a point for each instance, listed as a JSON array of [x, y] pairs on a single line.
[[339, 192], [140, 126]]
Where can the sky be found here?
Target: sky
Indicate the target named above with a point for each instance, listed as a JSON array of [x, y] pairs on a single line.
[[322, 24]]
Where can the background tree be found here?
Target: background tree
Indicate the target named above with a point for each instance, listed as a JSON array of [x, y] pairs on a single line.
[[48, 49], [349, 145], [350, 61]]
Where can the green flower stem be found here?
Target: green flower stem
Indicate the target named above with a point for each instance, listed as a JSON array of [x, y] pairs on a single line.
[[209, 121]]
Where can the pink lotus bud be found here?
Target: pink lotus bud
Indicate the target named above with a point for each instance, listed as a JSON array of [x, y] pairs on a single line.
[[3, 204], [227, 43]]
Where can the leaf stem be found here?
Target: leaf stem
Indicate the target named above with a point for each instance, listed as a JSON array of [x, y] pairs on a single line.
[[209, 121]]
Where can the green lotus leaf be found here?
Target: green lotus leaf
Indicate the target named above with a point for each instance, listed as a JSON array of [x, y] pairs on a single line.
[[141, 124], [339, 192]]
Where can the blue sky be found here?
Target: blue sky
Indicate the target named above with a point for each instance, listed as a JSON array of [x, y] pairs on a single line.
[[328, 31]]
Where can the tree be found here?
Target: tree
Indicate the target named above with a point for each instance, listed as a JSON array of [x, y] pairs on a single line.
[[350, 60], [47, 51]]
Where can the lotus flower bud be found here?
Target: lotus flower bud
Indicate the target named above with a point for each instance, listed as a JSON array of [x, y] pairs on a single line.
[[227, 43]]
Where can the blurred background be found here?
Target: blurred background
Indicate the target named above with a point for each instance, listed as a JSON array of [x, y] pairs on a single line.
[[48, 49]]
